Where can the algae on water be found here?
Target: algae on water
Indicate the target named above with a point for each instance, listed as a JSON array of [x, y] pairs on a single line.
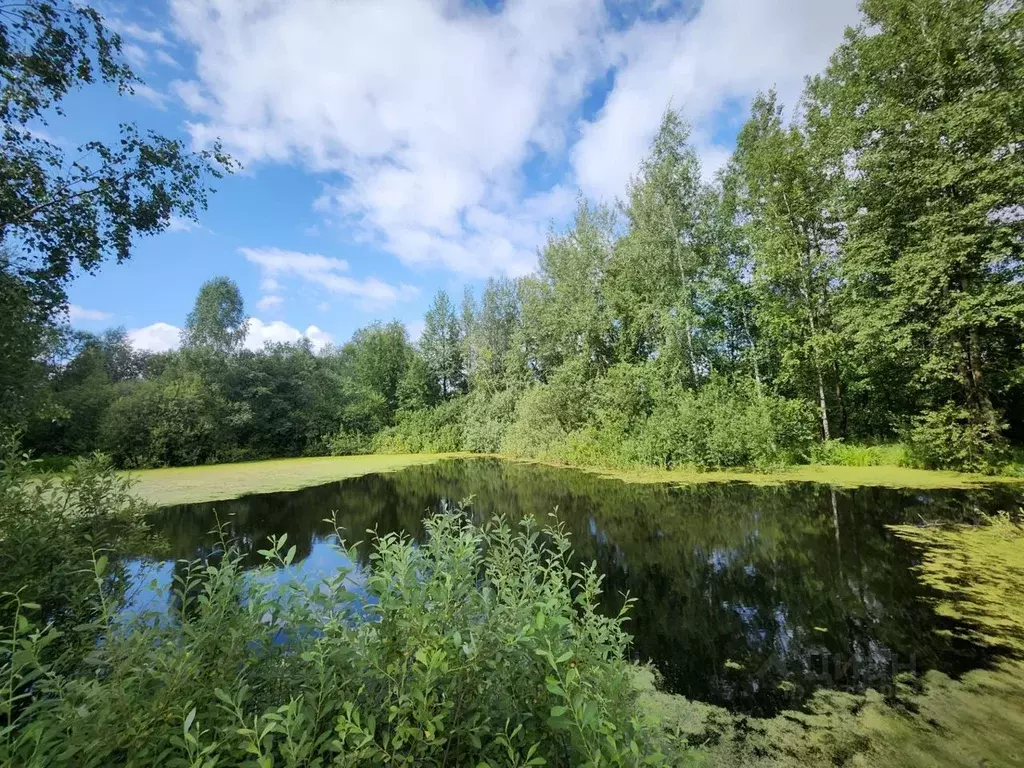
[[931, 721]]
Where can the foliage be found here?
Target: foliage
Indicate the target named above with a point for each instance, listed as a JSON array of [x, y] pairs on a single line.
[[441, 344], [217, 321], [50, 530], [481, 646], [957, 437], [435, 430], [839, 452], [859, 256], [78, 210]]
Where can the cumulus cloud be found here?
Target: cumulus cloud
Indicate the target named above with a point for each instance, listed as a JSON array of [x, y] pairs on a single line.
[[328, 273], [433, 115], [162, 337], [718, 59], [79, 314], [158, 337], [428, 108], [279, 332]]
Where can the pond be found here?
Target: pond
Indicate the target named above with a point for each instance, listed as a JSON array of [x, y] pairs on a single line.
[[748, 597]]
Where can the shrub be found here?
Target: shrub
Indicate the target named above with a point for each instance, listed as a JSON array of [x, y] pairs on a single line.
[[50, 528], [536, 430], [487, 418], [727, 424], [175, 422], [841, 453], [954, 437], [346, 442], [484, 648], [434, 430]]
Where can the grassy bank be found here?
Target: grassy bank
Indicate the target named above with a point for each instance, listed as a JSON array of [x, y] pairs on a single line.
[[217, 482]]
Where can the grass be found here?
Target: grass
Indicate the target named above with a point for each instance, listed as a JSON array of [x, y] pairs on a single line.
[[217, 482]]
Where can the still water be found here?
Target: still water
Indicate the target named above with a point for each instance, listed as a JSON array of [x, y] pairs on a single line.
[[747, 597]]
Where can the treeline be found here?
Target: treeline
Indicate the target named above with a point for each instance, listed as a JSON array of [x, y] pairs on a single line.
[[852, 273]]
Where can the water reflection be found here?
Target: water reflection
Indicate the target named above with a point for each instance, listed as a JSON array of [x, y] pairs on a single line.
[[748, 597]]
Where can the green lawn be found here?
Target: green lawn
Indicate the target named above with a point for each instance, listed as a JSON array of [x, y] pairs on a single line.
[[186, 485]]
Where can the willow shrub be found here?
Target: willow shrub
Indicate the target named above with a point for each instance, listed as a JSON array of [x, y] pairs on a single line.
[[479, 646]]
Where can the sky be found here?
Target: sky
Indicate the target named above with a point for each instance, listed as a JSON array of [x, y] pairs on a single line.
[[393, 148]]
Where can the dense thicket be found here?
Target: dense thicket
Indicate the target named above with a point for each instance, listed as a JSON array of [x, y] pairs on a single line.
[[854, 272]]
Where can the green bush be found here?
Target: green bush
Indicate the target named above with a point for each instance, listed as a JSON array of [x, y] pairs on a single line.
[[487, 418], [841, 453], [434, 430], [955, 437], [50, 528], [727, 424], [346, 442], [479, 646], [167, 423]]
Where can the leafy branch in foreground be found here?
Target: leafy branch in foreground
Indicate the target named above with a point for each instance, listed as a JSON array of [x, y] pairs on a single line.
[[479, 646]]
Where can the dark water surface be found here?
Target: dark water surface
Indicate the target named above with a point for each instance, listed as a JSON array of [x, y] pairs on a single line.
[[747, 597]]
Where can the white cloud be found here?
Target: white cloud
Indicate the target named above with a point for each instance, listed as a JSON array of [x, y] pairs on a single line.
[[269, 302], [279, 332], [78, 314], [327, 272], [269, 285], [162, 337], [720, 58], [136, 56], [433, 109], [153, 96], [158, 337], [134, 31], [430, 113], [165, 58]]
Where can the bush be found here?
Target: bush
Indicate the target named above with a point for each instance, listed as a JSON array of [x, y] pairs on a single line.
[[177, 422], [841, 453], [346, 442], [487, 418], [434, 430], [483, 648], [960, 438], [50, 529], [727, 424]]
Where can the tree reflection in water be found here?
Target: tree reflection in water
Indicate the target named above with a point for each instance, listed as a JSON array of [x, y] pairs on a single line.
[[751, 597]]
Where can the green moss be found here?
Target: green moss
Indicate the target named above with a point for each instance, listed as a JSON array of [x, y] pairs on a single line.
[[217, 482]]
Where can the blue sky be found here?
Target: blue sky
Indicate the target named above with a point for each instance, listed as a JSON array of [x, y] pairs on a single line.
[[395, 147]]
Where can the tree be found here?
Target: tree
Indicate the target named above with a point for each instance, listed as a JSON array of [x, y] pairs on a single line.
[[925, 102], [564, 311], [80, 210], [663, 210], [793, 240], [441, 345], [27, 334], [217, 321]]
